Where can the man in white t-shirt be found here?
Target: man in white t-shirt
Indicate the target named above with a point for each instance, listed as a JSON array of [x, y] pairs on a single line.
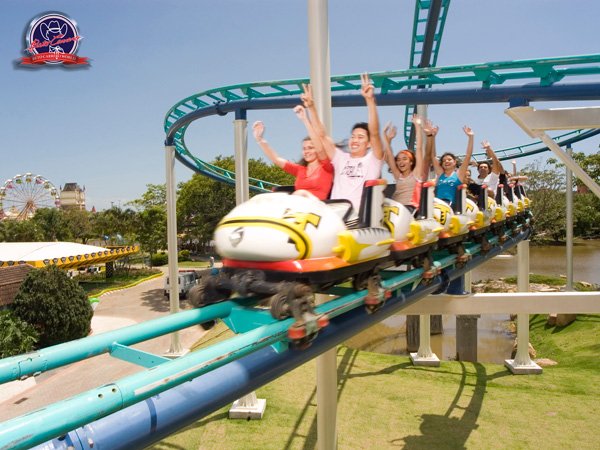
[[352, 169], [489, 173]]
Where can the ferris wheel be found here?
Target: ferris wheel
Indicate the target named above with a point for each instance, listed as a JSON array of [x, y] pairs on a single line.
[[22, 195]]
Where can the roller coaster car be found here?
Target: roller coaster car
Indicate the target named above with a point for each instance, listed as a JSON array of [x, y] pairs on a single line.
[[523, 203], [416, 232], [456, 223], [288, 246]]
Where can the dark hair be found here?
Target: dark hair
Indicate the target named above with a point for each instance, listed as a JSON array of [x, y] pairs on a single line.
[[302, 161], [452, 155], [487, 163], [364, 126]]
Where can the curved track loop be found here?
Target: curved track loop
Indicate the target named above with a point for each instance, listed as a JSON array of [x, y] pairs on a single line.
[[268, 95]]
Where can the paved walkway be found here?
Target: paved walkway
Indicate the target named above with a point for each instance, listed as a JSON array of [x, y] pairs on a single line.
[[117, 309]]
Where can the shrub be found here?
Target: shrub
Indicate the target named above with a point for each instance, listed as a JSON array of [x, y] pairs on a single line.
[[184, 255], [55, 305], [159, 259], [16, 336]]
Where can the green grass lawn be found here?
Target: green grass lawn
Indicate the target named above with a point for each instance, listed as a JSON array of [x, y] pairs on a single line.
[[385, 402], [202, 264], [93, 284]]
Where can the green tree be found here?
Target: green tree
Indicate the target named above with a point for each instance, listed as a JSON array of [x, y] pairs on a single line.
[[202, 202], [586, 215], [16, 336], [589, 163], [52, 224], [546, 189], [155, 195], [20, 231], [79, 223], [152, 229], [55, 305], [586, 206], [115, 225]]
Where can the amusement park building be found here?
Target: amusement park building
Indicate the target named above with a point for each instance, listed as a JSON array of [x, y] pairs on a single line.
[[72, 196]]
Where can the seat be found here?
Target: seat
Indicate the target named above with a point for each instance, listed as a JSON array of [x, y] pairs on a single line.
[[343, 208], [370, 213], [284, 188]]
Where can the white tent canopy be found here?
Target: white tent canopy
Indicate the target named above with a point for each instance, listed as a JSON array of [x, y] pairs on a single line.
[[65, 254]]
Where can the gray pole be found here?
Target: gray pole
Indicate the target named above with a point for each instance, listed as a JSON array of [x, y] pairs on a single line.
[[175, 349], [240, 136], [522, 364], [569, 286], [318, 45], [249, 406]]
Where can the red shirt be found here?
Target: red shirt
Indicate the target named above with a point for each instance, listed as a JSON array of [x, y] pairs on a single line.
[[318, 183]]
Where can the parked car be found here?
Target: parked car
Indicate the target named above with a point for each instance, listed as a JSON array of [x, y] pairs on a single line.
[[186, 281]]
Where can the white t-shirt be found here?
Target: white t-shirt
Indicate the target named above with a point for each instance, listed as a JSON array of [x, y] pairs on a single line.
[[491, 181], [350, 174]]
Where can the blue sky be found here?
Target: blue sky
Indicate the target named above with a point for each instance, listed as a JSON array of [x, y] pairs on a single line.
[[102, 126]]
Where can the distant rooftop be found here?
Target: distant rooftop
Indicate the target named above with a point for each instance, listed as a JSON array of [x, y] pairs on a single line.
[[72, 187]]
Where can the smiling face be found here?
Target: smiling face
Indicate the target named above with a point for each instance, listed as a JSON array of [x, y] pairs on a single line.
[[359, 141], [484, 169], [404, 162], [448, 162], [309, 153]]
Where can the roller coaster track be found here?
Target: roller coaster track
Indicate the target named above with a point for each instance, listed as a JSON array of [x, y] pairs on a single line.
[[428, 28], [480, 78], [260, 346], [534, 148]]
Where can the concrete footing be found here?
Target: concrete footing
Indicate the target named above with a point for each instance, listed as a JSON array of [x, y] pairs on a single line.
[[530, 368], [466, 337], [429, 361], [174, 355], [248, 407]]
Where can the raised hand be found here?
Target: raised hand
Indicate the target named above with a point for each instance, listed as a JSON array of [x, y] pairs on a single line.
[[389, 131], [258, 129], [300, 112], [468, 131], [417, 120], [307, 97], [430, 129], [366, 89]]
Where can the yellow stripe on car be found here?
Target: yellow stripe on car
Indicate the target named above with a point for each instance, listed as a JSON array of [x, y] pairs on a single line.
[[300, 239]]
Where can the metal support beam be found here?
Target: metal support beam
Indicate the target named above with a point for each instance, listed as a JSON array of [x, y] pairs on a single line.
[[569, 237], [175, 349], [534, 123], [320, 80], [511, 302], [522, 364], [248, 406], [240, 136]]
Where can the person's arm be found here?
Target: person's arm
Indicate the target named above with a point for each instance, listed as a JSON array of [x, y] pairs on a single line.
[[462, 171], [258, 129], [431, 132], [389, 133], [316, 141], [496, 164], [419, 159], [368, 92], [318, 127]]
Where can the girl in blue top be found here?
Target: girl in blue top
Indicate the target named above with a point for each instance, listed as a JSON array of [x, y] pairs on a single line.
[[448, 178]]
